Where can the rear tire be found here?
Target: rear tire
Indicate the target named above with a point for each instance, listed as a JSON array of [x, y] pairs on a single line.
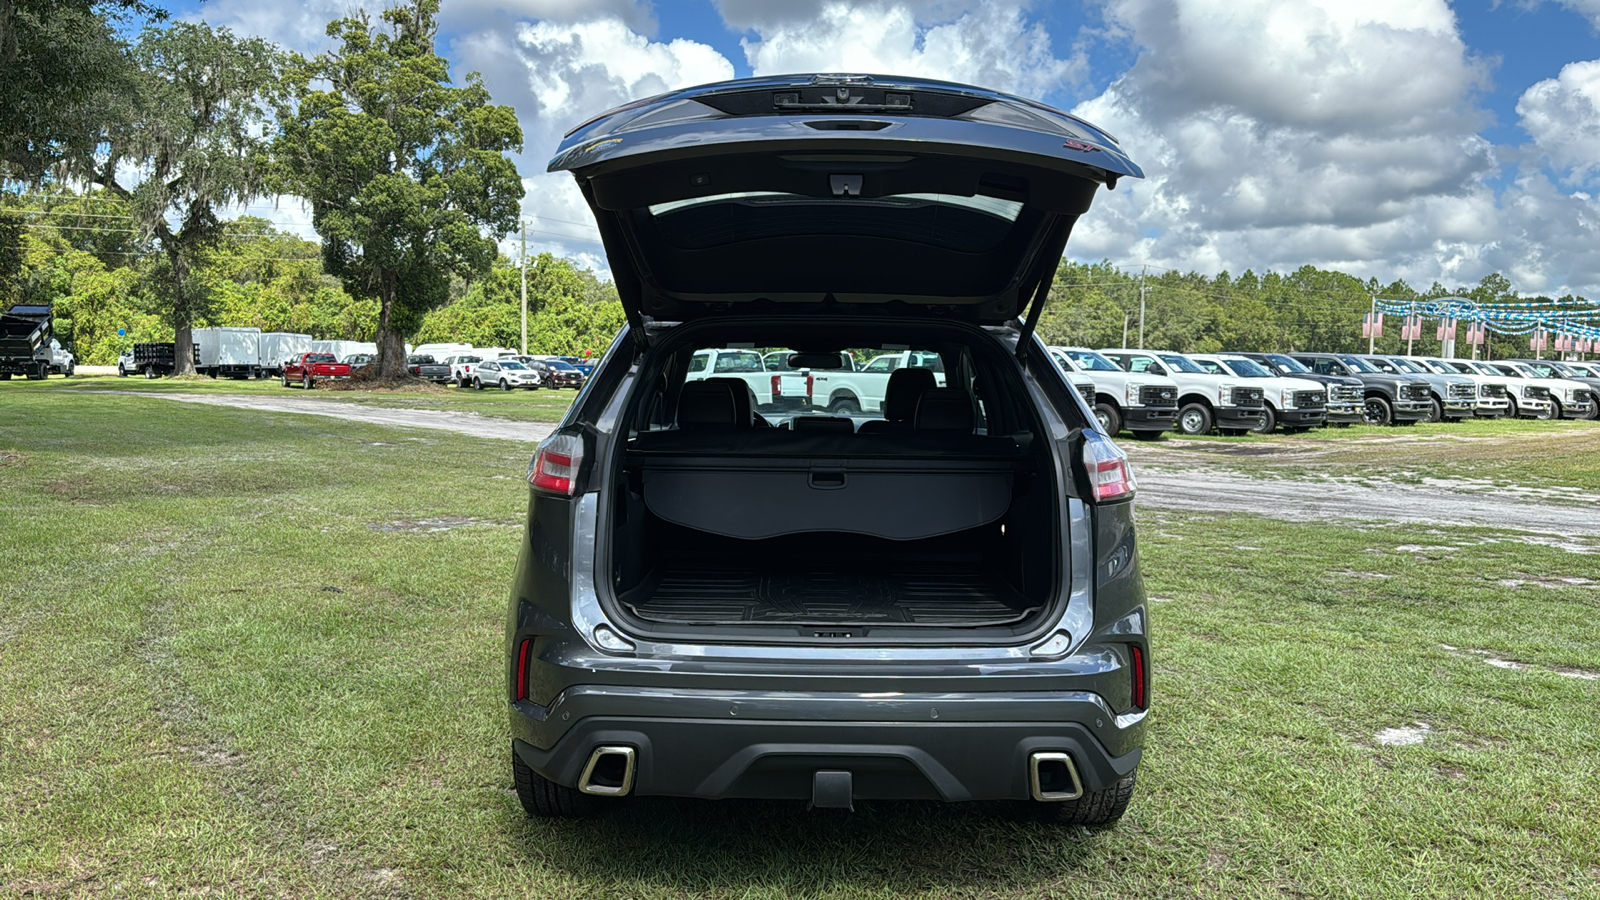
[[308, 383], [505, 385], [1194, 419], [286, 380], [1511, 408], [1110, 420], [121, 372], [1435, 411], [1096, 807], [1269, 420], [477, 384], [1377, 411], [149, 371], [845, 406], [543, 798]]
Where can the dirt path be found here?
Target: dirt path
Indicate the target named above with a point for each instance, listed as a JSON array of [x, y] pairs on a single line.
[[460, 422], [1297, 500], [1196, 488]]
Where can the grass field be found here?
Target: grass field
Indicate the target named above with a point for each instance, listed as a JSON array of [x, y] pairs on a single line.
[[251, 654]]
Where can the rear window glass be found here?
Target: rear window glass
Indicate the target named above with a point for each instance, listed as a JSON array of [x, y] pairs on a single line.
[[320, 358]]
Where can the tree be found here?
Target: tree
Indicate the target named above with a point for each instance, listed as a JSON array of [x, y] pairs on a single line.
[[66, 77], [407, 176], [197, 138]]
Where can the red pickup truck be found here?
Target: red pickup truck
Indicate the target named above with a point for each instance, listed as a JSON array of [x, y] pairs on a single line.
[[310, 368]]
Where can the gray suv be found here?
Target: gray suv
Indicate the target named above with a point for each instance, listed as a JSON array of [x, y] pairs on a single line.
[[938, 600]]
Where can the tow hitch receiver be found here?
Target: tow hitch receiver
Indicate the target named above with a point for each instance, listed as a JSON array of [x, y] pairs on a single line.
[[832, 790]]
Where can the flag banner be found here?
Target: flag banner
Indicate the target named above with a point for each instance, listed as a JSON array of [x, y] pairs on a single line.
[[1539, 340], [1447, 330], [1475, 332], [1372, 325]]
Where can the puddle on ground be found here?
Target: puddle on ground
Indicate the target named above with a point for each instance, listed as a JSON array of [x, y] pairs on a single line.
[[1523, 579], [429, 526], [1514, 666], [1404, 736]]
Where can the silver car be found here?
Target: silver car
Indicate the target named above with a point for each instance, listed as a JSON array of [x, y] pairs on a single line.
[[506, 373]]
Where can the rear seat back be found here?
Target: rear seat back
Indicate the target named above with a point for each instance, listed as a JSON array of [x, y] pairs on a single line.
[[945, 409], [900, 398], [712, 404]]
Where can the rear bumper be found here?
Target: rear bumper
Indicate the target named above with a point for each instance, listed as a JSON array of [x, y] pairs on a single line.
[[1239, 417], [742, 745], [1304, 417], [1411, 410], [1144, 418]]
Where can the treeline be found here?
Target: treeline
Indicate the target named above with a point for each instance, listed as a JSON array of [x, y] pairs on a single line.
[[1309, 309], [73, 254]]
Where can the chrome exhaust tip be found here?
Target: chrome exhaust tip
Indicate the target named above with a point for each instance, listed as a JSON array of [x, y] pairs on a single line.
[[1052, 777], [609, 772]]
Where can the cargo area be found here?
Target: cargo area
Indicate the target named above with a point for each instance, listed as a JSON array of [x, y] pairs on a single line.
[[823, 526]]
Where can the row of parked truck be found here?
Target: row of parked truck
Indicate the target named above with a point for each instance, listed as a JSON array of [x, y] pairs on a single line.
[[231, 352], [1149, 392]]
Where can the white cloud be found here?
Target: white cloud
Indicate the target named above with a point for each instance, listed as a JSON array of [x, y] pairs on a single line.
[[557, 75], [1279, 134], [1562, 115], [993, 45]]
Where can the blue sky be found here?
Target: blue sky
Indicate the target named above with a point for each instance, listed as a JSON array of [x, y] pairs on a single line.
[[1421, 140]]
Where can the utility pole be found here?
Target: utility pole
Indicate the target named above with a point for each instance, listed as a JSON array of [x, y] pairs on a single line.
[[524, 348], [1141, 308], [1124, 329], [1372, 333]]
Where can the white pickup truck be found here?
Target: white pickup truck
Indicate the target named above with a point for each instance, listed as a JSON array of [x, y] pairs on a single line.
[[779, 387], [1144, 404]]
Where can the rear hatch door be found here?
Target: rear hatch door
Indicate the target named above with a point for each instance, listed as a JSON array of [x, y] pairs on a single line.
[[830, 193]]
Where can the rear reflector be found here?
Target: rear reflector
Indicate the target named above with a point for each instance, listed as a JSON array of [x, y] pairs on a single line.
[[1140, 682], [522, 668], [555, 466], [1110, 476]]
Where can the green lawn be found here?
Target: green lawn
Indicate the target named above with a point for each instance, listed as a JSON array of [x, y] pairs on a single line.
[[521, 406], [250, 654]]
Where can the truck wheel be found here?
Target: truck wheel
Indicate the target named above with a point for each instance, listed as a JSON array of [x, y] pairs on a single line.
[[545, 799], [286, 379], [1377, 411], [1095, 807], [1594, 408], [72, 370], [477, 384], [307, 382], [1269, 420], [505, 385], [1110, 420], [1553, 411], [149, 371], [1435, 411], [1511, 408], [1194, 419], [845, 406], [121, 372]]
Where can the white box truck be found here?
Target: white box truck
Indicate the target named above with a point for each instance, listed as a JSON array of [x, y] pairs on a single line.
[[229, 352], [343, 350], [277, 347]]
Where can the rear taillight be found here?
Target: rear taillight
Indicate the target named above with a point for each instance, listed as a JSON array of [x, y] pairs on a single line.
[[1141, 681], [522, 667], [777, 386], [1110, 476], [555, 466]]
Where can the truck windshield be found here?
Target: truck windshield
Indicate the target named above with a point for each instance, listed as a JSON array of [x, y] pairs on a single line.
[[737, 362], [1090, 361], [1359, 365], [320, 358], [1181, 363], [1246, 368], [1407, 366], [1288, 363]]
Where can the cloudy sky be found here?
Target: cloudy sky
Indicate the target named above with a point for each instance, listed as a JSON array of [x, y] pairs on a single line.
[[1416, 139]]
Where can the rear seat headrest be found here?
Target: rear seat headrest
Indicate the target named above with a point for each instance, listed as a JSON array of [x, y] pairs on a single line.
[[944, 409], [709, 403], [901, 393], [743, 400], [822, 424]]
